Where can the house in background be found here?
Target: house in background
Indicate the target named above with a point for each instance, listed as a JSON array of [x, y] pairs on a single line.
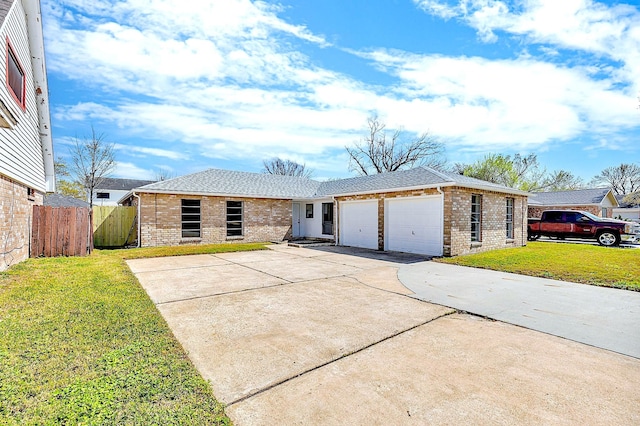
[[26, 150], [418, 211], [110, 190], [626, 211], [598, 201]]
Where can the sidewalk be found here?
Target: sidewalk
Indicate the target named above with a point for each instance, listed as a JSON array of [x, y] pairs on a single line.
[[602, 317]]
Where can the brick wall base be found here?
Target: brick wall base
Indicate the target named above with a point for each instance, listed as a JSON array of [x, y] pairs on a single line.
[[161, 222], [16, 210]]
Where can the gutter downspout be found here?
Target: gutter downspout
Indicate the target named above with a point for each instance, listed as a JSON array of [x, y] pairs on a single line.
[[36, 47], [139, 221], [442, 222]]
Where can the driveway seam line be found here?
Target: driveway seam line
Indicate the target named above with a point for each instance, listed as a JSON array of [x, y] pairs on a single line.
[[244, 290], [346, 355]]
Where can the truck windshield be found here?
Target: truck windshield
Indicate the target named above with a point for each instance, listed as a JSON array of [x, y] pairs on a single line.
[[591, 216]]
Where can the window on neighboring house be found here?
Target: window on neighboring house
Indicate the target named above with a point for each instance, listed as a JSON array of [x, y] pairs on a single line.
[[509, 218], [234, 219], [16, 80], [476, 217], [190, 218], [103, 195], [309, 211]]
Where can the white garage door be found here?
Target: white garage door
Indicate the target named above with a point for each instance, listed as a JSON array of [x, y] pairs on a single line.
[[359, 224], [414, 225]]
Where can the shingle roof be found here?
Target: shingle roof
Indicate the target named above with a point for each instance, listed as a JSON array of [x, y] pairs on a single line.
[[122, 184], [575, 197], [59, 200], [228, 182], [234, 183]]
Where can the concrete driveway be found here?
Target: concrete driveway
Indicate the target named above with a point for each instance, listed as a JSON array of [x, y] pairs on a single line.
[[331, 336]]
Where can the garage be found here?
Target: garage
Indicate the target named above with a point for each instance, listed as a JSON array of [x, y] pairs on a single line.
[[359, 224], [414, 225]]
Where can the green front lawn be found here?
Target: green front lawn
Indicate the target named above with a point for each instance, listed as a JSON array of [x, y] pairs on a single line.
[[602, 266], [81, 343]]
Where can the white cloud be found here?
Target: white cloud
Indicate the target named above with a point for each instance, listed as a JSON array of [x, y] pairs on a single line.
[[131, 171], [146, 151], [227, 80]]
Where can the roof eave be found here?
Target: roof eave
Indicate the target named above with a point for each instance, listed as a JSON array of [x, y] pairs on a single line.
[[208, 194]]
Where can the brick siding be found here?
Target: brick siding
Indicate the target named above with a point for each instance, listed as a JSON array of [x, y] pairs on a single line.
[[16, 211], [457, 218], [161, 225]]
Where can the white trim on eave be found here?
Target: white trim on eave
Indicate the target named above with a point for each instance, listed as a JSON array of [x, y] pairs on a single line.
[[41, 88]]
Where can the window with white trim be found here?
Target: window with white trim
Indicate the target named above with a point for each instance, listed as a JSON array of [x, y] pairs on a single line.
[[476, 217], [509, 217], [191, 219], [234, 219]]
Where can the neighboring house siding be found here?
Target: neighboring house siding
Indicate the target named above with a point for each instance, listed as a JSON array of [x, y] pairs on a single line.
[[114, 196], [264, 220], [536, 211], [20, 147], [15, 230], [457, 221]]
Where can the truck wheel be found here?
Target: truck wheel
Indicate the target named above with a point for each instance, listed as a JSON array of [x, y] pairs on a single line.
[[608, 238]]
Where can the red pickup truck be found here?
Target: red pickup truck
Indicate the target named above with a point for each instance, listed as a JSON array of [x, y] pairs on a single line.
[[578, 224]]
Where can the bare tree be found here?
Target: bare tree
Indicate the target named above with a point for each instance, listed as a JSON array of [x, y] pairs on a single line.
[[376, 153], [162, 174], [623, 179], [278, 166], [92, 161]]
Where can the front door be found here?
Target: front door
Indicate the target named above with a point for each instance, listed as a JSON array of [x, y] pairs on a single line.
[[295, 231], [327, 218]]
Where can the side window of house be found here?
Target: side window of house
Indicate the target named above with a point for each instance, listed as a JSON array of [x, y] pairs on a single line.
[[476, 217], [103, 195], [309, 211], [234, 219], [15, 77], [191, 219], [509, 218]]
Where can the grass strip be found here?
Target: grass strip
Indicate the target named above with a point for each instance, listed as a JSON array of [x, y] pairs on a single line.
[[81, 343], [580, 263]]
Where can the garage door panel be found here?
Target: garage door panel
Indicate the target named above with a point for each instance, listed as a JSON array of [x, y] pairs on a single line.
[[414, 225], [359, 224]]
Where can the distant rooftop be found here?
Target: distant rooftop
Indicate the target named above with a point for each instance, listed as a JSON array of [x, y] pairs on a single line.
[[575, 197], [122, 184], [59, 200]]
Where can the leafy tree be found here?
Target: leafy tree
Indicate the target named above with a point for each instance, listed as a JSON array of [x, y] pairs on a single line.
[[65, 186], [92, 160], [623, 179], [524, 173], [377, 153], [278, 166]]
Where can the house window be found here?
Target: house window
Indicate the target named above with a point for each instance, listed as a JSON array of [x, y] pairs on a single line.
[[309, 211], [509, 218], [16, 80], [31, 194], [234, 219], [103, 195], [476, 217], [190, 218]]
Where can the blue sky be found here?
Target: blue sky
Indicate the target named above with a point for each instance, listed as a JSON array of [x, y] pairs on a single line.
[[229, 83]]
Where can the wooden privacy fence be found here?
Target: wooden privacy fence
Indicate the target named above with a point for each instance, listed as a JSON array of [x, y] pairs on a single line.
[[114, 226], [60, 231]]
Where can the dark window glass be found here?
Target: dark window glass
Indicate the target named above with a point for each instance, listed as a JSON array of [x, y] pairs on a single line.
[[191, 219], [15, 76], [309, 211], [234, 219], [103, 195], [509, 217], [476, 217]]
